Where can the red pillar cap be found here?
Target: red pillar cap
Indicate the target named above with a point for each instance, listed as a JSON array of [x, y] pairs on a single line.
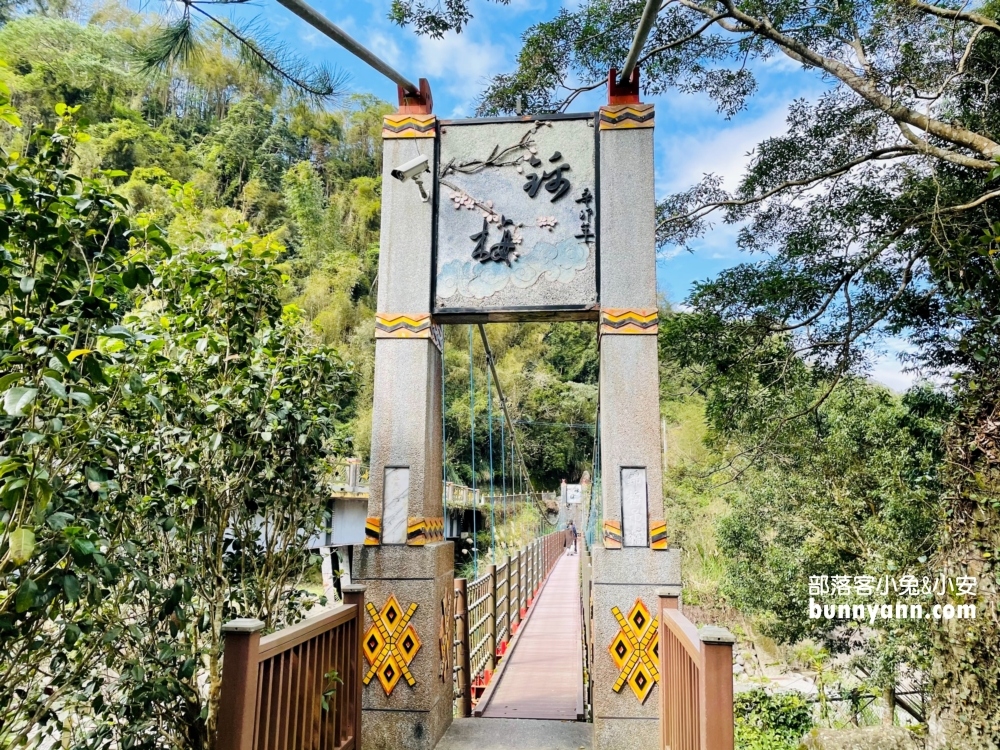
[[416, 104], [626, 93]]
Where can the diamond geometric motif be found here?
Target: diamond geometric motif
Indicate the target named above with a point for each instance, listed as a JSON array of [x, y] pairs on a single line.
[[390, 644], [372, 644], [641, 682], [621, 650], [635, 650], [409, 643]]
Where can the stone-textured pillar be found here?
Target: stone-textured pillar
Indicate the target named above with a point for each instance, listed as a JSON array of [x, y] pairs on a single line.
[[631, 556], [405, 563]]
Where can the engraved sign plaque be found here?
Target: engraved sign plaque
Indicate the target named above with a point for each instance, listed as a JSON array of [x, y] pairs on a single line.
[[516, 230]]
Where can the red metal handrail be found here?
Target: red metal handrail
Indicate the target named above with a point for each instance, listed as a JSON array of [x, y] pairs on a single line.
[[489, 610]]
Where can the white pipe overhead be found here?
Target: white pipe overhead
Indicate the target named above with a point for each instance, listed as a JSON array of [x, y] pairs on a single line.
[[320, 22], [639, 40]]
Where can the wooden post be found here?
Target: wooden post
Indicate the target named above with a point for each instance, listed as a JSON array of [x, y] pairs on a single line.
[[717, 729], [355, 594], [491, 571], [669, 597], [238, 700], [510, 597], [516, 601], [462, 660]]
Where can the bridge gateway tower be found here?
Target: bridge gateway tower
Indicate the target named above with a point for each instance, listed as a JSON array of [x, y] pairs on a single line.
[[514, 219]]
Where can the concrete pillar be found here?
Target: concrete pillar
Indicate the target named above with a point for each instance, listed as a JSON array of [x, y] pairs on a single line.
[[631, 555], [405, 562]]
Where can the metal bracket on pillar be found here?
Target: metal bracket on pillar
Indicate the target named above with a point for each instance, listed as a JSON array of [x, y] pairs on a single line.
[[621, 93], [624, 111], [414, 118], [416, 103]]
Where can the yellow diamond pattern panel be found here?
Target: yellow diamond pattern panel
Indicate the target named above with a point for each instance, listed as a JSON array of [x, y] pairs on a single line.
[[373, 643], [635, 650], [621, 650], [641, 682], [390, 644], [389, 674]]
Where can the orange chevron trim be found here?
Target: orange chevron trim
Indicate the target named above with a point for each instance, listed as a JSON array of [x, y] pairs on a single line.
[[421, 531], [408, 326], [616, 320], [409, 126], [373, 531], [658, 535], [626, 116], [612, 535]]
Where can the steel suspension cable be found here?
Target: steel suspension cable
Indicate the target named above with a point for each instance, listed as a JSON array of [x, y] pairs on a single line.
[[503, 474], [472, 450], [510, 422], [639, 40], [489, 416], [444, 446], [323, 24]]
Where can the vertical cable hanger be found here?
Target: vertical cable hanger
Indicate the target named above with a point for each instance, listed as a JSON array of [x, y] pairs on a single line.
[[489, 417], [472, 450]]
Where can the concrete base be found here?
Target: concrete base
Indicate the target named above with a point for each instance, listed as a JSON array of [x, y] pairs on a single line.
[[518, 734], [412, 717], [621, 577]]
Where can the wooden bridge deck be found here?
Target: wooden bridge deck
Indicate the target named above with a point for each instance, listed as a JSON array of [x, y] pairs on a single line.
[[543, 674]]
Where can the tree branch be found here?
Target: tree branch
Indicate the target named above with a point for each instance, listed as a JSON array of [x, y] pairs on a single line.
[[864, 87], [956, 15]]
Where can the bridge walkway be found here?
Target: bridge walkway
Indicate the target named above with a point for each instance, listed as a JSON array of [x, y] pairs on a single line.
[[541, 676]]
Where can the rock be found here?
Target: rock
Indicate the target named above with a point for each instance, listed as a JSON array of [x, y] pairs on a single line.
[[740, 660], [737, 669], [864, 738]]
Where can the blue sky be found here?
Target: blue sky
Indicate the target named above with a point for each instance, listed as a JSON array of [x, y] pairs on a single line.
[[691, 138]]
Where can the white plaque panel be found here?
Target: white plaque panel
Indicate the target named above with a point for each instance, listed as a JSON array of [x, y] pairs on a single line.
[[517, 218], [395, 504], [574, 494], [635, 513]]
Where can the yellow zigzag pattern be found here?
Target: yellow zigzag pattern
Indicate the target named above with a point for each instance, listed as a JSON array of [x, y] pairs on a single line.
[[624, 320], [627, 116], [409, 126]]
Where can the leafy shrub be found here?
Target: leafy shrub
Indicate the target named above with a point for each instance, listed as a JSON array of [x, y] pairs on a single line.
[[770, 722]]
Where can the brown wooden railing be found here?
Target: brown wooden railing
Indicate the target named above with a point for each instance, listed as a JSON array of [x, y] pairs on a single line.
[[489, 610], [696, 678], [298, 688]]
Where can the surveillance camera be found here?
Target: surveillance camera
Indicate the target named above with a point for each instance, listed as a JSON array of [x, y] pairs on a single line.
[[411, 169]]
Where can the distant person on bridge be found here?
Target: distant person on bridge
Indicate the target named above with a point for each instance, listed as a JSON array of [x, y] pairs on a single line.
[[572, 533]]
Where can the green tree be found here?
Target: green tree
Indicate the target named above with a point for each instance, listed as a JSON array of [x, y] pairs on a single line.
[[229, 428], [67, 265]]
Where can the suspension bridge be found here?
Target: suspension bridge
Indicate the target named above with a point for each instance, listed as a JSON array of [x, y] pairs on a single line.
[[469, 621]]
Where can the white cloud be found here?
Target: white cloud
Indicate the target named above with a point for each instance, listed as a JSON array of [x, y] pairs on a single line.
[[725, 151], [888, 371], [464, 62], [385, 47]]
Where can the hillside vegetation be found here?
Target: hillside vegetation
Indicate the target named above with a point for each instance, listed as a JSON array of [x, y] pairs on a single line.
[[187, 295]]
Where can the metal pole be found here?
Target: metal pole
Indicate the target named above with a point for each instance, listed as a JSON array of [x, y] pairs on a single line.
[[493, 517], [638, 41], [462, 660], [318, 21]]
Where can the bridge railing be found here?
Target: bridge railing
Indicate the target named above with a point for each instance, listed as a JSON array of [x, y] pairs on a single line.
[[489, 610], [296, 688], [696, 678]]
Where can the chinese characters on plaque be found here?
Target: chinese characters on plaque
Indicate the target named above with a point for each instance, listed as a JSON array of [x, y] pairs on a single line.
[[517, 216]]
